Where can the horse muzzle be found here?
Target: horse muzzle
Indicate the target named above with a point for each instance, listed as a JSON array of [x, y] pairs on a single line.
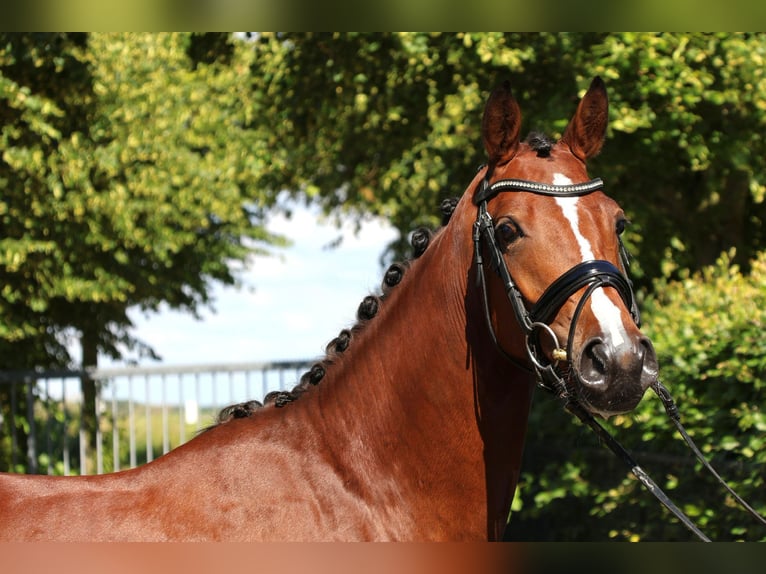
[[611, 379]]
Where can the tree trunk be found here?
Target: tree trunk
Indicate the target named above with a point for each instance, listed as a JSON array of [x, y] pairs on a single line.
[[89, 416]]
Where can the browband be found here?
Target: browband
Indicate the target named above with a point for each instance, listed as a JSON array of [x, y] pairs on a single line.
[[487, 191]]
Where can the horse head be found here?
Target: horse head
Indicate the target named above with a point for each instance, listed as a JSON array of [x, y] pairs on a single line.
[[553, 236]]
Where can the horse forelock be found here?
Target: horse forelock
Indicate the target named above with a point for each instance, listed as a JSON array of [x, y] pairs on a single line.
[[540, 143], [367, 310]]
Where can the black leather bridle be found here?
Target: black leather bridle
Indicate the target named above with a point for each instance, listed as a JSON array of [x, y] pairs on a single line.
[[534, 318]]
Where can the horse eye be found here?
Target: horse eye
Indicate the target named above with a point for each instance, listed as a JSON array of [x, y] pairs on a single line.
[[508, 232], [621, 225]]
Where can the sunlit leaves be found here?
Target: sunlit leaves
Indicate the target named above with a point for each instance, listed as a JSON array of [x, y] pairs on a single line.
[[388, 123], [130, 179]]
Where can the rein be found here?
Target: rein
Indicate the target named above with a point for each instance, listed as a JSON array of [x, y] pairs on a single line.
[[672, 411], [534, 321]]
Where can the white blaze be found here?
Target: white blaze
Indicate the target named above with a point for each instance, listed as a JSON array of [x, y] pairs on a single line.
[[606, 312]]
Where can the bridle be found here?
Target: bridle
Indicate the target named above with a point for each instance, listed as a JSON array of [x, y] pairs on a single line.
[[534, 319]]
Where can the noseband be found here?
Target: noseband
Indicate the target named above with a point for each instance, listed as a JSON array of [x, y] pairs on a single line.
[[535, 317]]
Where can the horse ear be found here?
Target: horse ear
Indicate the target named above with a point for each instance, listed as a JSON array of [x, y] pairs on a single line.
[[586, 130], [501, 125]]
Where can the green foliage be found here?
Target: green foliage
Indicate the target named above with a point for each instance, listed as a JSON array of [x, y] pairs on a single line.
[[687, 109], [375, 123], [389, 124], [128, 173], [708, 331]]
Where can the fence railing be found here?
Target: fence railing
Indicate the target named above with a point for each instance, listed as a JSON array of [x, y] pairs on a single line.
[[140, 412]]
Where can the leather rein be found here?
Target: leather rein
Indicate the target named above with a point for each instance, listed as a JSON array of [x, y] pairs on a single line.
[[534, 320]]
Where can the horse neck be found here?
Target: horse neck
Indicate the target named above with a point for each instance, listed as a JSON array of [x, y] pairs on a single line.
[[407, 365], [422, 394]]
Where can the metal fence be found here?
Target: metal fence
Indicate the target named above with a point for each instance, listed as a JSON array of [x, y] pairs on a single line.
[[140, 412]]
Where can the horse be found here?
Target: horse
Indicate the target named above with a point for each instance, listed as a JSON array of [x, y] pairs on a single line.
[[412, 426]]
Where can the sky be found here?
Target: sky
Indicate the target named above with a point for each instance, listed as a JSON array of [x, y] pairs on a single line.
[[292, 302]]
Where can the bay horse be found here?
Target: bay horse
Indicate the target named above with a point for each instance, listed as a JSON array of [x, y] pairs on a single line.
[[417, 428]]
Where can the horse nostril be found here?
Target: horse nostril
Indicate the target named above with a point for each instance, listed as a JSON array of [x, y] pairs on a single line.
[[594, 362], [649, 364]]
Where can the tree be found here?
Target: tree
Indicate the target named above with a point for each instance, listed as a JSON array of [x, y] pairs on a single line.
[[129, 181], [389, 124], [32, 124]]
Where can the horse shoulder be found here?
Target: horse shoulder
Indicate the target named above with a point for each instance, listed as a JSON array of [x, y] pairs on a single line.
[[267, 477]]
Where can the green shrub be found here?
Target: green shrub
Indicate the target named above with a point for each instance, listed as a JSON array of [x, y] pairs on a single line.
[[707, 328]]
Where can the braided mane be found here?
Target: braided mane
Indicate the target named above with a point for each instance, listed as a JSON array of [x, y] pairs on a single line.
[[367, 310]]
